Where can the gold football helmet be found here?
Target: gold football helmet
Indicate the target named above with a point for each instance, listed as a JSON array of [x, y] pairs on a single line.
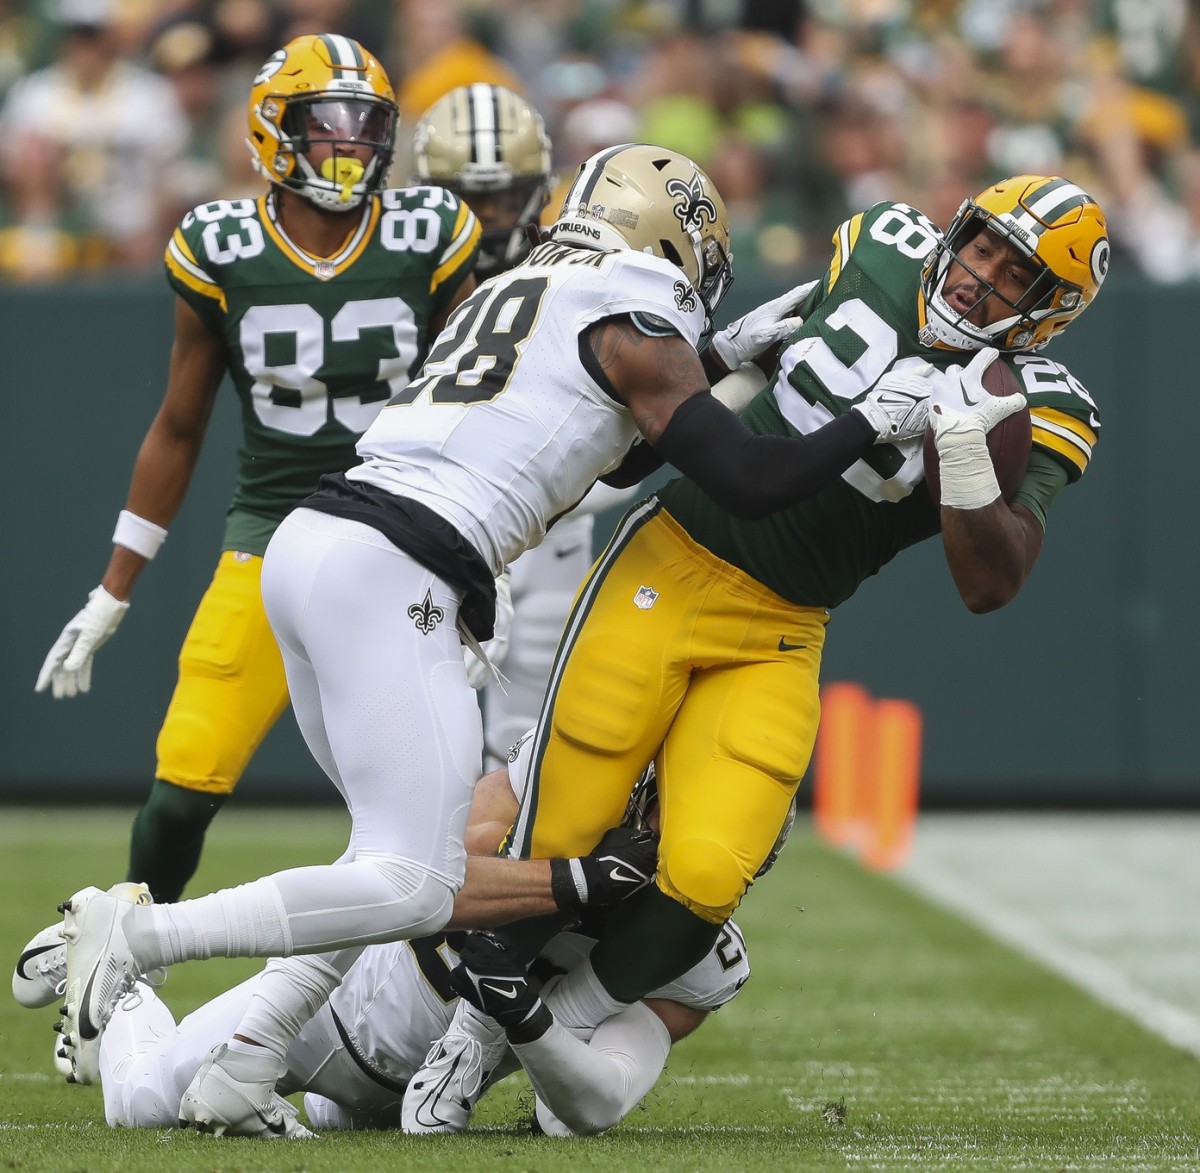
[[489, 147], [1058, 227], [651, 200], [323, 89]]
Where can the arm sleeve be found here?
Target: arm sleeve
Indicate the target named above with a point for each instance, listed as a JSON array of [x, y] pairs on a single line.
[[640, 461], [586, 1088], [752, 475]]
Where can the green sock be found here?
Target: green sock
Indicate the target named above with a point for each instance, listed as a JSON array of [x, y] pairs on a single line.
[[648, 941], [168, 836]]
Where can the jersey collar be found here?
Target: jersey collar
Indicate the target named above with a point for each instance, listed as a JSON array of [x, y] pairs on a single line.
[[323, 268]]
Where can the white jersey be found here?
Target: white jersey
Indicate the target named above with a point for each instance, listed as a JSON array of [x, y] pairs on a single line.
[[505, 428]]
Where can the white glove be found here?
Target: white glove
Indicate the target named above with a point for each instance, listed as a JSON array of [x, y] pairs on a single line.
[[897, 407], [760, 329], [495, 648], [962, 412], [68, 667]]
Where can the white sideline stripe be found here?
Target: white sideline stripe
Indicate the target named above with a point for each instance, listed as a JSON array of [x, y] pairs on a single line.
[[25, 1076], [1106, 984]]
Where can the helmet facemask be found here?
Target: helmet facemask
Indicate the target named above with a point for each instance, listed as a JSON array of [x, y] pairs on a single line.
[[1060, 233], [516, 201], [340, 181]]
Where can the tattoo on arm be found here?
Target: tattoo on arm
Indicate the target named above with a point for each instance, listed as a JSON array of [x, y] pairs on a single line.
[[653, 376]]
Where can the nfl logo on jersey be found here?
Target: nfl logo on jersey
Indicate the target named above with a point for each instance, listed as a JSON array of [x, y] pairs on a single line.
[[645, 598]]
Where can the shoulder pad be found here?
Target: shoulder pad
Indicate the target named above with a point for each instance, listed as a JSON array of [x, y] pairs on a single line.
[[1066, 420]]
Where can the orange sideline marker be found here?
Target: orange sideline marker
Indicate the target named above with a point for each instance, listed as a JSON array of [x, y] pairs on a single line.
[[843, 762], [895, 785]]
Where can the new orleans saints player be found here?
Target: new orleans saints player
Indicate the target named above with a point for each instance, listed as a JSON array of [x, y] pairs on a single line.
[[541, 382], [489, 146], [699, 635], [318, 299]]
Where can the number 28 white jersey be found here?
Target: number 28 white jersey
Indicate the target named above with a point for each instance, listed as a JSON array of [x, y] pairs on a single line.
[[504, 428]]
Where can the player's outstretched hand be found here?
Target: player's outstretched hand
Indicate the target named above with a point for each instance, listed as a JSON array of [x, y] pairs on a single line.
[[621, 864], [961, 404], [897, 407], [756, 332], [67, 669]]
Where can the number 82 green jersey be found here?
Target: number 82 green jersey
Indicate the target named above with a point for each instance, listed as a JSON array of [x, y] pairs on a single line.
[[316, 345]]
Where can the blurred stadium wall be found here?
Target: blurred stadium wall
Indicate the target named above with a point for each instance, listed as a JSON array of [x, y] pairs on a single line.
[[1081, 693]]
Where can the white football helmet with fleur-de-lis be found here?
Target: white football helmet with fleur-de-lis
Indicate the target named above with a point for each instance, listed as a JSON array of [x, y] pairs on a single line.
[[652, 200], [488, 146]]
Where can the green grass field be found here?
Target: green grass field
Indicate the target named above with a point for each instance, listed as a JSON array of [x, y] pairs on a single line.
[[876, 1033]]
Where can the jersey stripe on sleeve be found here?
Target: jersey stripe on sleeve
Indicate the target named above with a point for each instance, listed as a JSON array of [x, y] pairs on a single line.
[[1063, 434], [466, 236], [844, 241], [184, 267]]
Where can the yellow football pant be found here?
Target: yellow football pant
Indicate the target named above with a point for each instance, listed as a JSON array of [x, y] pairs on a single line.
[[673, 654], [231, 686]]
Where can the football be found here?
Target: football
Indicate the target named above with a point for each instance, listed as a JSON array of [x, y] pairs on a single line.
[[1008, 442]]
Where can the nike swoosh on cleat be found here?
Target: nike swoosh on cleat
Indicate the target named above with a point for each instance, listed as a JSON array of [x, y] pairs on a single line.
[[784, 646], [29, 955], [87, 1029], [277, 1126]]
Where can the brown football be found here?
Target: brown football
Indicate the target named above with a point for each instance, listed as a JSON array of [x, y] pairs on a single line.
[[1008, 442]]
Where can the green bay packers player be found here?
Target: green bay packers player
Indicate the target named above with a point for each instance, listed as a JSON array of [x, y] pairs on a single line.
[[318, 299], [542, 381], [699, 635]]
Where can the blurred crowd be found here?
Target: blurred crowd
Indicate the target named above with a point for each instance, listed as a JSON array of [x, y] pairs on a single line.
[[116, 116]]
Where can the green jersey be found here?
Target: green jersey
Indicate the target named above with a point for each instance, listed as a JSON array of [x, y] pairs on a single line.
[[316, 345], [863, 320]]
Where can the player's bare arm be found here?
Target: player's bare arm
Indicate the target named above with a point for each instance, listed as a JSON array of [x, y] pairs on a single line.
[[990, 552], [653, 376], [171, 448]]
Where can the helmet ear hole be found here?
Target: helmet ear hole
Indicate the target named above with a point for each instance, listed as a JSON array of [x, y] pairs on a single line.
[[671, 253]]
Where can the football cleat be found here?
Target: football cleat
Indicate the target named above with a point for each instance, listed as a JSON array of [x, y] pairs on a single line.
[[101, 970], [442, 1095], [40, 974], [219, 1101]]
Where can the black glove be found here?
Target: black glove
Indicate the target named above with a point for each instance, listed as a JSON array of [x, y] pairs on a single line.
[[621, 864], [493, 978]]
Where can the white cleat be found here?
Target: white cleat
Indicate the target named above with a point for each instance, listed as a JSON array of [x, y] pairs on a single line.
[[101, 970], [442, 1095], [219, 1102], [40, 975]]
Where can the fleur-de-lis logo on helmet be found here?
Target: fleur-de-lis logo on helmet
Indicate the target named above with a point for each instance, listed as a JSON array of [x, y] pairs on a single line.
[[692, 206], [425, 614]]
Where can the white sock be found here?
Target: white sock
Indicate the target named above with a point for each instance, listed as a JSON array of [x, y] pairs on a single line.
[[585, 1088], [579, 1002], [288, 993]]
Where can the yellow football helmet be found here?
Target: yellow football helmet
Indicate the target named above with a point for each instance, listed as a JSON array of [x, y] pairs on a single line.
[[323, 89], [1054, 223], [489, 146], [651, 200]]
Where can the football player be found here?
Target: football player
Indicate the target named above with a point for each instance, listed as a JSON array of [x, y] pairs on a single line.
[[698, 637], [318, 299], [541, 382], [489, 146], [355, 1058]]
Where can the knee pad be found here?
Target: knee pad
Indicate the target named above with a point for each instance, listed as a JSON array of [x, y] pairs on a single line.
[[425, 901], [704, 876]]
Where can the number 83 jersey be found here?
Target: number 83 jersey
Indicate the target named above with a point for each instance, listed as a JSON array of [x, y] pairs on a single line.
[[316, 345]]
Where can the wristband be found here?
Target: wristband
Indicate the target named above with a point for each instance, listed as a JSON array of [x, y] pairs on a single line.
[[568, 885], [137, 534]]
